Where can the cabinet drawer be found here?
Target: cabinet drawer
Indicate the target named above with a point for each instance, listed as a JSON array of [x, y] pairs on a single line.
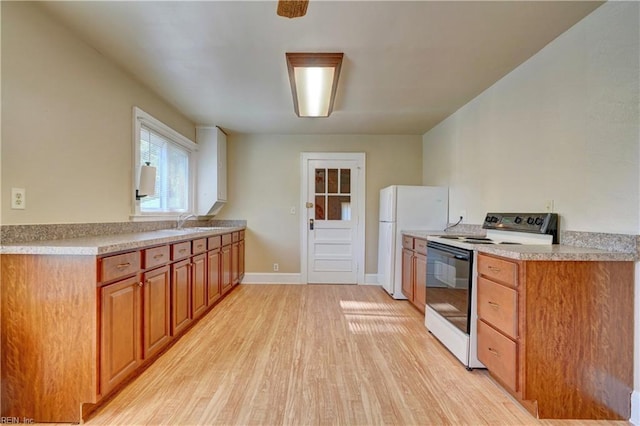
[[235, 236], [180, 250], [119, 266], [498, 269], [407, 242], [215, 242], [226, 239], [498, 354], [241, 235], [199, 245], [420, 246], [497, 305], [155, 256]]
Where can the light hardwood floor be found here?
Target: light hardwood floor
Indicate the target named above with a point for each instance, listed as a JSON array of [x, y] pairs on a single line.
[[312, 355]]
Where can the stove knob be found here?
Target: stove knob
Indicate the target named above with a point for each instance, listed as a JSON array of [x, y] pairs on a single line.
[[487, 219], [494, 219], [530, 220], [538, 221], [518, 220]]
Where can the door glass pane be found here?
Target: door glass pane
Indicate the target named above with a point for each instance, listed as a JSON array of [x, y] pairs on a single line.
[[320, 207], [320, 180], [345, 181], [339, 207], [332, 181]]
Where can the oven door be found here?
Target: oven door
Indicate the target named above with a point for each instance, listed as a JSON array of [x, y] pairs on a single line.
[[449, 274]]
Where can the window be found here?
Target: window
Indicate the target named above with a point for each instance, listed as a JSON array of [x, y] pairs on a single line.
[[173, 155]]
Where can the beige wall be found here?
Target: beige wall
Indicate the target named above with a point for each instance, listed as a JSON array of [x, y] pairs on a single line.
[[67, 123], [264, 183], [563, 126]]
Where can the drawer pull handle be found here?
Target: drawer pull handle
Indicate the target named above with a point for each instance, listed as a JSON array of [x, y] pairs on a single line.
[[494, 268], [140, 284], [494, 352], [123, 265], [148, 281], [493, 304], [158, 256]]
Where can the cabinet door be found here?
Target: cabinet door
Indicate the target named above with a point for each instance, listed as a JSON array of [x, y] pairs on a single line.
[[120, 332], [407, 266], [180, 296], [213, 271], [241, 260], [420, 281], [199, 285], [235, 256], [226, 269], [156, 320]]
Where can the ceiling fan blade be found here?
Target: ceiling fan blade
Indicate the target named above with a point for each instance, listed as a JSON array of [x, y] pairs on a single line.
[[292, 8]]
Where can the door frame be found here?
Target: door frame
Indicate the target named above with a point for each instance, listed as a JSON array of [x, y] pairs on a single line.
[[359, 183]]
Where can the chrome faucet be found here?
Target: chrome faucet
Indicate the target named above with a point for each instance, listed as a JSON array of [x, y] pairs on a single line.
[[182, 219]]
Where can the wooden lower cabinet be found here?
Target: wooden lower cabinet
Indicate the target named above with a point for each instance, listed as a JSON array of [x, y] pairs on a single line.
[[214, 290], [227, 282], [414, 271], [156, 319], [180, 296], [118, 311], [199, 285], [407, 273], [558, 335], [120, 332], [420, 281], [235, 268]]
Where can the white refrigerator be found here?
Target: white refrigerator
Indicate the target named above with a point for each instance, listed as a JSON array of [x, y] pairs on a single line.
[[406, 208]]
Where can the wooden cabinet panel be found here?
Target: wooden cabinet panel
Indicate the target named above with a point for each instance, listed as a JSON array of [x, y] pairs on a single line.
[[407, 265], [119, 266], [156, 256], [214, 290], [498, 354], [498, 270], [180, 296], [120, 332], [241, 259], [199, 246], [420, 246], [235, 257], [407, 242], [156, 320], [226, 239], [497, 305], [420, 281], [214, 242], [226, 269], [180, 250], [198, 285]]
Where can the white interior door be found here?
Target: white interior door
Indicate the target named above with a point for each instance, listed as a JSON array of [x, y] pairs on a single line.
[[333, 208]]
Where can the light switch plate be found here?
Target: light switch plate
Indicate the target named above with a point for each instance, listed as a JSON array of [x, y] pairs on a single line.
[[18, 199]]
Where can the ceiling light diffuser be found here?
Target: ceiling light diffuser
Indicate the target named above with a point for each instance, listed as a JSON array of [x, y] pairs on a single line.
[[314, 79]]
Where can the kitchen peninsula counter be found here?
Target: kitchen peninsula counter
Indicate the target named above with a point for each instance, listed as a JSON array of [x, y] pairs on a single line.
[[534, 252]]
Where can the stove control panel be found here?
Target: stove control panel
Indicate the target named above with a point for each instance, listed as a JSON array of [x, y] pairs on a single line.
[[537, 223]]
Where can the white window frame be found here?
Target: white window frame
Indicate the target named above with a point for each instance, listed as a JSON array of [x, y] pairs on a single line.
[[141, 118]]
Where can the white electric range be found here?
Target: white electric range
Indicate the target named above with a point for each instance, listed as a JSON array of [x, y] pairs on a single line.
[[451, 298]]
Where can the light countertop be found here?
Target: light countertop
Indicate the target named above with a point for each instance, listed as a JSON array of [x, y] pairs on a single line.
[[101, 245]]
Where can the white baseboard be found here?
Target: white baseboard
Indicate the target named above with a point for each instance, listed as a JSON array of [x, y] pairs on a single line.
[[635, 408], [277, 278], [270, 278]]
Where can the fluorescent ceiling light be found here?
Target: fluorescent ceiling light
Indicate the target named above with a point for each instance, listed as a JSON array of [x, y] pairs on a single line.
[[314, 79]]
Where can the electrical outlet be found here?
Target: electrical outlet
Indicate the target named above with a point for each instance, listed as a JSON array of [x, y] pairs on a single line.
[[292, 210], [18, 199], [548, 206], [276, 267]]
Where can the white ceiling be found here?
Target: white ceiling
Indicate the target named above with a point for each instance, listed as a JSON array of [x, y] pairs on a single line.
[[407, 65]]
